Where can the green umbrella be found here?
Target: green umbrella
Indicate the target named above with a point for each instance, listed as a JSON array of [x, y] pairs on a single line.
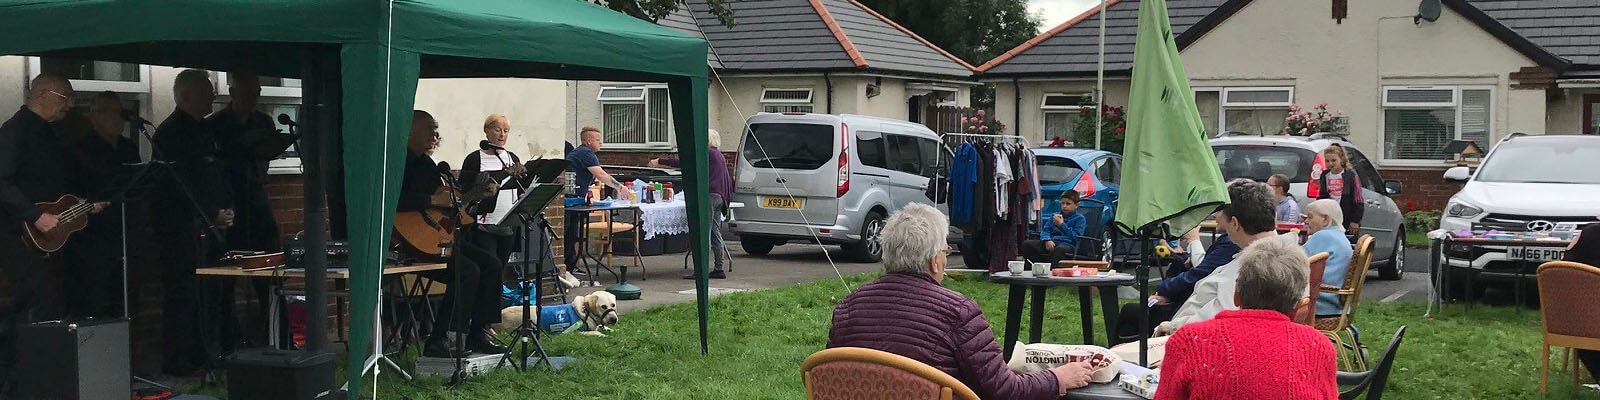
[[1174, 182]]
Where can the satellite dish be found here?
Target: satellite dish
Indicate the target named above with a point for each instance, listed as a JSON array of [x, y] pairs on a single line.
[[1427, 10]]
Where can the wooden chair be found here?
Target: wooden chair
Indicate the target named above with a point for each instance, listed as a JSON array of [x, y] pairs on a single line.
[[853, 373], [1567, 294], [1351, 356], [602, 233], [1318, 264]]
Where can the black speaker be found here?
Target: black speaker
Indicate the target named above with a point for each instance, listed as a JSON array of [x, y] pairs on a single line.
[[74, 360], [271, 374]]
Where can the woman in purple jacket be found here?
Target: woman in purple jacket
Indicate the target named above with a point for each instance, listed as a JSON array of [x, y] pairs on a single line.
[[907, 312], [721, 191]]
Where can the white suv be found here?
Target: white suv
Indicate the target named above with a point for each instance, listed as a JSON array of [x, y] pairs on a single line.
[[1526, 184]]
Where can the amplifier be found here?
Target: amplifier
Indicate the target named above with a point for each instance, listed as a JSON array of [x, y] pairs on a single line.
[[271, 374], [73, 360]]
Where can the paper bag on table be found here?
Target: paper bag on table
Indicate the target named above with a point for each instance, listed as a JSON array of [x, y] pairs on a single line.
[[1027, 358]]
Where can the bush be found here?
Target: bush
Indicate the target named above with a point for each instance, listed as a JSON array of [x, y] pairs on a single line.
[[1422, 220]]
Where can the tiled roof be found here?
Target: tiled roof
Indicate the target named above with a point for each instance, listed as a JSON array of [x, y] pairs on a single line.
[[681, 20], [1072, 47], [1569, 29], [1553, 33], [817, 35]]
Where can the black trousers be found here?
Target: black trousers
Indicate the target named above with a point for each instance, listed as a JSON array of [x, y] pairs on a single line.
[[1128, 320], [571, 235], [187, 302], [1034, 251], [35, 281], [93, 273], [1591, 360], [472, 299]]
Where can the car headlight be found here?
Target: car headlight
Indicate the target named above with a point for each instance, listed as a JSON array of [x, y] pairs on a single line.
[[1463, 210]]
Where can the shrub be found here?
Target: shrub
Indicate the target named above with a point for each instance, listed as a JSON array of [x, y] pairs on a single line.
[[1422, 220]]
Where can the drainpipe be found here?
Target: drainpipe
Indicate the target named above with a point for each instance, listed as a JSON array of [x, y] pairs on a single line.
[[827, 82], [1016, 106]]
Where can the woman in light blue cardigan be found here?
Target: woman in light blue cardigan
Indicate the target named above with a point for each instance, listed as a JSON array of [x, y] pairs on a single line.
[[1325, 221]]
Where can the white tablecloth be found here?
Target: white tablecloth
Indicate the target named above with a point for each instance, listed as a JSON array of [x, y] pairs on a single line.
[[668, 218]]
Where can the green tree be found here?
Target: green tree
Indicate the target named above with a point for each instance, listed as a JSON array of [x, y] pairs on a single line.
[[652, 10], [974, 30]]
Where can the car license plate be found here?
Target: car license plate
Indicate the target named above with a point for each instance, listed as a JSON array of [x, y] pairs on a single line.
[[1540, 254], [781, 202]]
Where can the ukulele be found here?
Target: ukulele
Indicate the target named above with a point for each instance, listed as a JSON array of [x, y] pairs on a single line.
[[72, 214]]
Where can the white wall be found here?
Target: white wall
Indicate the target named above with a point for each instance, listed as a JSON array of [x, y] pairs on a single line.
[[1031, 124], [13, 84], [536, 109]]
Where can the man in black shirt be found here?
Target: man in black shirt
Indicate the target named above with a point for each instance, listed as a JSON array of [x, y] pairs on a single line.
[[34, 167], [254, 227], [422, 175], [95, 253], [189, 143]]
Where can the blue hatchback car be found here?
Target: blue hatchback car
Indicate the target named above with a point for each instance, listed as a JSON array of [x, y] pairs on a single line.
[[1087, 170]]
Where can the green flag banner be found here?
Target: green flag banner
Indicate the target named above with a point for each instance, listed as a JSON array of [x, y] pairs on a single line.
[[1175, 182]]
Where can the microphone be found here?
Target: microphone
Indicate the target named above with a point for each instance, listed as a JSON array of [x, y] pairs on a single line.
[[485, 145], [133, 116], [284, 119]]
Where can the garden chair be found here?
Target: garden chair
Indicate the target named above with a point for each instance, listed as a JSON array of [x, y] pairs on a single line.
[[853, 373], [1567, 294], [1351, 355], [1318, 263], [1372, 381]]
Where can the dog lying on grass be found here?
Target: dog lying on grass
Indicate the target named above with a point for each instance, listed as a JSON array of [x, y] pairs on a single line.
[[591, 315]]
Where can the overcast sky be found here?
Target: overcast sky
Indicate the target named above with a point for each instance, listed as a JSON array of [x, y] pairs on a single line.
[[1054, 12]]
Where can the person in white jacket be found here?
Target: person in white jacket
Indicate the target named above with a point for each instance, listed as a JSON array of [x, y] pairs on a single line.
[[1248, 217]]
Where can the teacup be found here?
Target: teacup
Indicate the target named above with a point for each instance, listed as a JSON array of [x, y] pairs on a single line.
[[1016, 267]]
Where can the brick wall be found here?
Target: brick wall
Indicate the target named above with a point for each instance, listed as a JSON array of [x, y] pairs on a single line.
[[1425, 189]]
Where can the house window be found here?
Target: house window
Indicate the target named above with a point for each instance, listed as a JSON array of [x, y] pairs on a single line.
[[1419, 121], [1060, 110], [786, 100], [636, 115], [1254, 110]]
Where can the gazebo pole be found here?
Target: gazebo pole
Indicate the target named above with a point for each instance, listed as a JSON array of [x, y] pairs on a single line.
[[320, 102]]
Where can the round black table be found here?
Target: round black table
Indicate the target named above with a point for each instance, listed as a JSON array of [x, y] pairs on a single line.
[[1101, 391], [1020, 285]]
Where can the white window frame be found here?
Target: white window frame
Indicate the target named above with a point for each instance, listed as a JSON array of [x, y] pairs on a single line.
[[1046, 109], [809, 101], [266, 91], [1455, 102], [142, 86], [1223, 105], [643, 100], [275, 95]]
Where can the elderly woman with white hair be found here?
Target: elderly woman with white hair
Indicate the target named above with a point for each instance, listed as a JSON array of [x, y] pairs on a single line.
[[907, 312], [1255, 351], [721, 191], [1325, 222]]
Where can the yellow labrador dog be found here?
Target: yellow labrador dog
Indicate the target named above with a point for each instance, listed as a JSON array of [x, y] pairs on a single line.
[[594, 315]]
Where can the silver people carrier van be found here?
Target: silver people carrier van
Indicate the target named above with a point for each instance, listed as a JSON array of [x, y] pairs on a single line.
[[831, 179]]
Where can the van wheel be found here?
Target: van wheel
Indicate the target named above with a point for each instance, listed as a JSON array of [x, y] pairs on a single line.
[[756, 246], [1395, 268], [870, 249]]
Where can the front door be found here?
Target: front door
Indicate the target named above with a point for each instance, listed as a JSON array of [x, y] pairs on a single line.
[[1591, 114]]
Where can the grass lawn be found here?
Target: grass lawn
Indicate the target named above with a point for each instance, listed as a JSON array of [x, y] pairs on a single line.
[[758, 340]]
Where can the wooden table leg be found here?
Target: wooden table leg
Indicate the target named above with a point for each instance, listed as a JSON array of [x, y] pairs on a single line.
[[1036, 315], [1086, 314], [1110, 306], [1013, 318]]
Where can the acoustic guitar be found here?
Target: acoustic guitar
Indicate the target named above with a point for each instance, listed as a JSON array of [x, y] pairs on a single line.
[[72, 214], [430, 232]]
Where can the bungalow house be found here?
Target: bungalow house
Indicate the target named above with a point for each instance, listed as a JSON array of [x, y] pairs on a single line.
[[822, 56], [1409, 86]]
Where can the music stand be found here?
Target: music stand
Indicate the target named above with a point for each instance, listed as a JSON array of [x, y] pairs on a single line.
[[528, 215]]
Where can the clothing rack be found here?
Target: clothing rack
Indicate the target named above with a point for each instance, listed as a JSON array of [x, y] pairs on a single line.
[[1015, 138]]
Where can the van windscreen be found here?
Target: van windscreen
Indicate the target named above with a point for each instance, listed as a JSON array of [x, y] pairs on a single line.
[[788, 146]]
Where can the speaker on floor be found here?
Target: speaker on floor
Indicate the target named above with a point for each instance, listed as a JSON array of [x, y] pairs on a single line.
[[85, 359], [271, 374]]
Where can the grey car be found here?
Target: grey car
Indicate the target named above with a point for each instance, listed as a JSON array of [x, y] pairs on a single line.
[[830, 179], [1259, 157]]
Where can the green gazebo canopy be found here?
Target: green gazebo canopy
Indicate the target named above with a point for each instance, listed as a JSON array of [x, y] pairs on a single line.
[[379, 50]]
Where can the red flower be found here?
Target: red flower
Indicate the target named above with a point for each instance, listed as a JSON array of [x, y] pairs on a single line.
[[1122, 129], [983, 128], [980, 113], [971, 128]]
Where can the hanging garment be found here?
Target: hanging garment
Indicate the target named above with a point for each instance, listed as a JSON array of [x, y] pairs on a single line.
[[1003, 178], [963, 179]]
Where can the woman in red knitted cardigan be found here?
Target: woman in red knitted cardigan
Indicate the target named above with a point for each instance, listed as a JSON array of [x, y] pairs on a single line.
[[1255, 352]]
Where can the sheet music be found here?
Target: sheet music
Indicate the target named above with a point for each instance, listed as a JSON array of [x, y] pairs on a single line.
[[503, 202]]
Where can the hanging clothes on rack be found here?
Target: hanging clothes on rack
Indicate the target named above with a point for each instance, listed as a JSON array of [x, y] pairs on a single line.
[[963, 180]]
